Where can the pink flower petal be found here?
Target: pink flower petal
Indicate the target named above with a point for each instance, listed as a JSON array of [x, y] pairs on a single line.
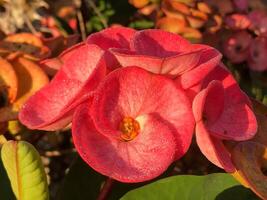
[[159, 43], [171, 66], [114, 37], [65, 55], [52, 65], [182, 63], [233, 93], [129, 58], [144, 158], [209, 59], [133, 92], [236, 121], [203, 104], [79, 75], [213, 149]]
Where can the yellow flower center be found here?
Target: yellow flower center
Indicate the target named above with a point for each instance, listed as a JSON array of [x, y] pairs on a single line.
[[130, 128]]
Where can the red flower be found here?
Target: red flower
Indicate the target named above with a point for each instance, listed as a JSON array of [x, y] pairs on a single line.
[[222, 112], [136, 126], [258, 51], [131, 91], [236, 47]]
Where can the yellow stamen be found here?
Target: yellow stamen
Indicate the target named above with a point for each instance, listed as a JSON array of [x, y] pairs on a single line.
[[130, 128]]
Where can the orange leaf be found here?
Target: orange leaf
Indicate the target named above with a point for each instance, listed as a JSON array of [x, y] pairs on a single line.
[[192, 34], [8, 80], [27, 38], [175, 9], [171, 24], [149, 9], [204, 7], [199, 14], [30, 45], [248, 158], [195, 22], [60, 43], [30, 79], [139, 3]]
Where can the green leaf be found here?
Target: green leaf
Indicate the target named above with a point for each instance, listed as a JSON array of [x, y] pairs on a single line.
[[141, 24], [189, 187], [21, 172], [82, 182]]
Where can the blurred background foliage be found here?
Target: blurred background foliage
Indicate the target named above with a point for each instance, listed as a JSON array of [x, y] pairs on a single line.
[[237, 28]]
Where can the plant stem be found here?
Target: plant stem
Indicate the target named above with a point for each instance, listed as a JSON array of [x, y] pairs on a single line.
[[30, 25], [81, 24], [105, 189], [91, 3]]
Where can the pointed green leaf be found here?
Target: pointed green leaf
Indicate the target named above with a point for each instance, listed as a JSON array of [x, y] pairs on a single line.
[[22, 170], [188, 187]]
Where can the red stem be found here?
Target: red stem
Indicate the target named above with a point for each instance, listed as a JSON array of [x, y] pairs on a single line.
[[105, 189]]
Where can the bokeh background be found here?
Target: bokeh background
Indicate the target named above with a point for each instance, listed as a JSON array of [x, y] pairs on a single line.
[[33, 30]]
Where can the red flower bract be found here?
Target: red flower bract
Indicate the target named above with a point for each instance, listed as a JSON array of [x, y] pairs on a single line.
[[222, 112], [51, 108], [164, 118]]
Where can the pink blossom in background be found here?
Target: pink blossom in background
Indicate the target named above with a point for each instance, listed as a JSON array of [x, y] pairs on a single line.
[[258, 20], [52, 65], [241, 5], [237, 21], [258, 54], [236, 47]]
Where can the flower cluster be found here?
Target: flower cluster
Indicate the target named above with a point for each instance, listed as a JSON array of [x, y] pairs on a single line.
[[248, 42], [135, 98], [236, 27]]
